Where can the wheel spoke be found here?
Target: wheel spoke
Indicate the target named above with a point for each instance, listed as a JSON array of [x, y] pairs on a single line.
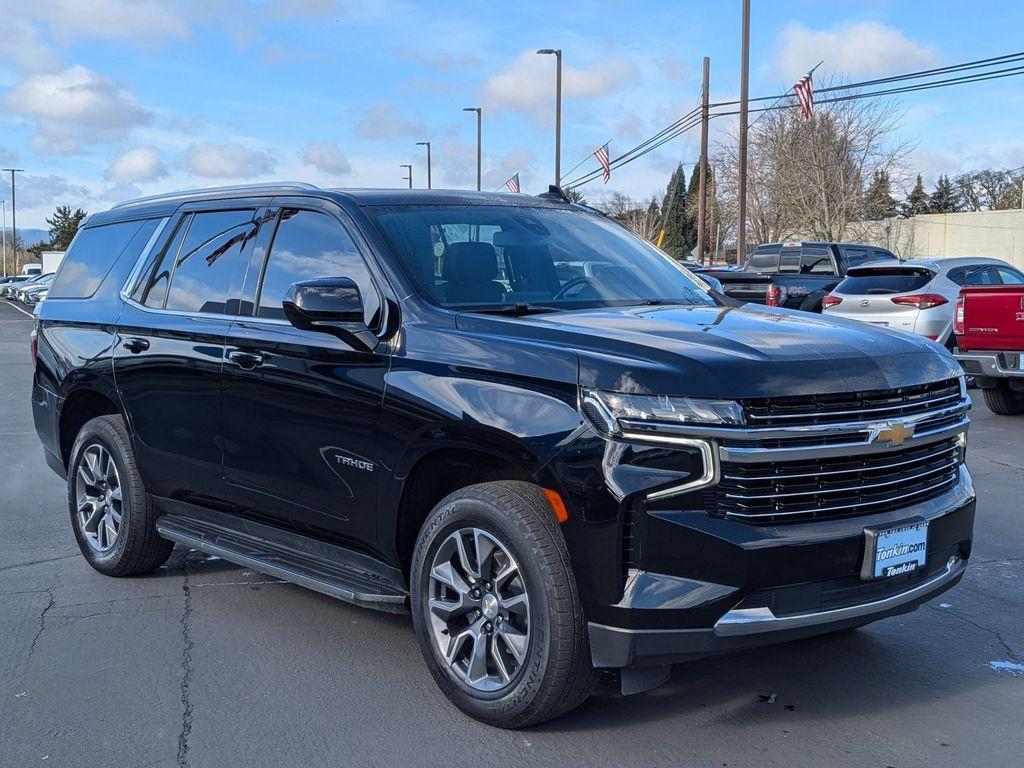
[[516, 603], [456, 643], [446, 609], [508, 570], [115, 494], [476, 669], [515, 641], [499, 661], [464, 561], [485, 548], [447, 575], [109, 527]]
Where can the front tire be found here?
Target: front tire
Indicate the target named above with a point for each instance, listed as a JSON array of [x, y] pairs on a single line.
[[496, 609], [111, 513], [1003, 400]]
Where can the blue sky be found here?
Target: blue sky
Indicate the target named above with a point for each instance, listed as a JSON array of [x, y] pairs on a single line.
[[109, 99]]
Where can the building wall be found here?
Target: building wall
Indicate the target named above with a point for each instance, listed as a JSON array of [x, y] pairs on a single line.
[[999, 234]]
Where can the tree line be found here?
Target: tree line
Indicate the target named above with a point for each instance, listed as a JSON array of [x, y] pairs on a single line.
[[984, 190]]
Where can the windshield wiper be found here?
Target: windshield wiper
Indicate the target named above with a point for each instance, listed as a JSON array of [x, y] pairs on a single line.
[[515, 310]]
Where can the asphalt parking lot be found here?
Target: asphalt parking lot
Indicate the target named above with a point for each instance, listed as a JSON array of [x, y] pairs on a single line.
[[206, 664]]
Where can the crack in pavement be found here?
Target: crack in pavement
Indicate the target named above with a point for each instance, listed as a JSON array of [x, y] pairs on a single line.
[[37, 562], [42, 622], [994, 632], [186, 670]]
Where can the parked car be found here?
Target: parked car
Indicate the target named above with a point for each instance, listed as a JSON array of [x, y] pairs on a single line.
[[27, 290], [8, 284], [918, 295], [990, 342], [617, 472], [32, 269], [35, 295], [10, 290], [796, 275]]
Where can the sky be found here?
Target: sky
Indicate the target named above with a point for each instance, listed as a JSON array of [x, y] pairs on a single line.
[[105, 100]]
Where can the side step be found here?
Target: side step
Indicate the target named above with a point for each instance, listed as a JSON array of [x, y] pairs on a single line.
[[285, 555]]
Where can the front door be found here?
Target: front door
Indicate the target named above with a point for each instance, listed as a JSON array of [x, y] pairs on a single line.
[[301, 408]]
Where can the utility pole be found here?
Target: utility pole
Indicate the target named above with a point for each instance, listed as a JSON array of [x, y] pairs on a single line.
[[409, 177], [479, 133], [3, 206], [741, 222], [702, 198], [427, 145], [558, 111], [14, 216]]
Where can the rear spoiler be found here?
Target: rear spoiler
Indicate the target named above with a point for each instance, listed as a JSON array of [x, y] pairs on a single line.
[[884, 267]]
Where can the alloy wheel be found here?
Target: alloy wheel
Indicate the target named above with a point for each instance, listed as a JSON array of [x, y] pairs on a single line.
[[98, 497], [479, 609]]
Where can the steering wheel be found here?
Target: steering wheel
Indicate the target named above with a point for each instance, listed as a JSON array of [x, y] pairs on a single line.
[[572, 284]]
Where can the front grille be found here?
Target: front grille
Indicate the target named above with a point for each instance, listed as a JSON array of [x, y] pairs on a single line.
[[791, 491], [877, 405]]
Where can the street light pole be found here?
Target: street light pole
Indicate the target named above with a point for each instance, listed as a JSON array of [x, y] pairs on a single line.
[[558, 110], [427, 145], [741, 193], [14, 216], [409, 177], [479, 136], [3, 206]]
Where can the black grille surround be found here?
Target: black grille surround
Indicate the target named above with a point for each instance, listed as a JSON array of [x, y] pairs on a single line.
[[876, 405], [826, 488]]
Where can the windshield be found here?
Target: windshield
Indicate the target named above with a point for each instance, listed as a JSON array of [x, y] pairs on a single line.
[[494, 257]]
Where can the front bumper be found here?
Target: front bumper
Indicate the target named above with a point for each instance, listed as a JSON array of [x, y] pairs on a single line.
[[782, 583]]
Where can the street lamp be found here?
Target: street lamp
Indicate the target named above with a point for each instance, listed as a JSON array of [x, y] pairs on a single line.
[[479, 124], [409, 177], [557, 52], [427, 145]]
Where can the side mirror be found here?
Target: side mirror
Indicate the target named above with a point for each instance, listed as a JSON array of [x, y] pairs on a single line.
[[329, 305]]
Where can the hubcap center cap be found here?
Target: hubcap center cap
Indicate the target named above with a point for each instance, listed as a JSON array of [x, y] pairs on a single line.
[[489, 606]]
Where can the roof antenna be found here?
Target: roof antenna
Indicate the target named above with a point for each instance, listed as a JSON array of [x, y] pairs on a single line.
[[555, 193]]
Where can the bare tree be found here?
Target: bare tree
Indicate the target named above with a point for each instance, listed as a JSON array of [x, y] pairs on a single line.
[[806, 178], [989, 189], [642, 218]]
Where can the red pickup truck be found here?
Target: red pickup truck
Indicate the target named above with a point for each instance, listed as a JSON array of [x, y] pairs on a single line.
[[989, 330]]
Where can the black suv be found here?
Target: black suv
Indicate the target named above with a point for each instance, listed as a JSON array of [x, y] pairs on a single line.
[[392, 397]]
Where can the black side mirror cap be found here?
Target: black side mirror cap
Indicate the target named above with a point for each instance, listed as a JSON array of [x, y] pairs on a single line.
[[330, 305]]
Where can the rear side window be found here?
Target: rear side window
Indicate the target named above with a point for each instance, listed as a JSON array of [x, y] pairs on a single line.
[[309, 245], [94, 252], [210, 264], [1010, 276], [764, 260], [816, 261], [884, 281]]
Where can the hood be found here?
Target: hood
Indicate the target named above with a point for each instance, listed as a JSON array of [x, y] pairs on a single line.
[[732, 352]]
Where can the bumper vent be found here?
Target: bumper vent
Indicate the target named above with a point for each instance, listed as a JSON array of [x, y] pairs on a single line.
[[791, 491]]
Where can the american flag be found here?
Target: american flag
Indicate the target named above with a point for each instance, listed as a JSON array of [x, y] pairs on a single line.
[[513, 184], [602, 157], [804, 89]]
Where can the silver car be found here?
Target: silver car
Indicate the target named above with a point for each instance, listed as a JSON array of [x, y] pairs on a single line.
[[918, 295]]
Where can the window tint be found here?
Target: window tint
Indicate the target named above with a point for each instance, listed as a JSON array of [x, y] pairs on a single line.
[[882, 255], [151, 289], [855, 256], [884, 281], [94, 252], [209, 266], [1010, 276], [981, 276], [764, 260], [816, 261], [956, 276], [307, 246], [789, 260]]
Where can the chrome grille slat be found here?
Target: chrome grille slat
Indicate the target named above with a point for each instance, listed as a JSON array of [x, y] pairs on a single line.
[[949, 400]]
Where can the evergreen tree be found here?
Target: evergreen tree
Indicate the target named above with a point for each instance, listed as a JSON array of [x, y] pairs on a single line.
[[63, 226], [917, 201], [680, 236], [878, 199], [945, 198]]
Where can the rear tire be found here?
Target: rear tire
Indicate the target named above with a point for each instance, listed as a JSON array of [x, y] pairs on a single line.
[[1003, 400], [512, 524], [111, 513]]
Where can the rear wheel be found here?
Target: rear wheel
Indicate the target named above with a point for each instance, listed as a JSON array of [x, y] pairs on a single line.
[[1003, 400], [111, 513], [496, 609]]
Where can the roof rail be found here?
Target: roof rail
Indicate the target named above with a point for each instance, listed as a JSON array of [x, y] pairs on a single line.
[[216, 190]]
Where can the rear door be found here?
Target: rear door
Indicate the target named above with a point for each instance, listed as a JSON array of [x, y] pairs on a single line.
[[302, 408], [170, 348]]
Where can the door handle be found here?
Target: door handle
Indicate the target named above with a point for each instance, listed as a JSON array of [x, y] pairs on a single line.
[[246, 360], [135, 345]]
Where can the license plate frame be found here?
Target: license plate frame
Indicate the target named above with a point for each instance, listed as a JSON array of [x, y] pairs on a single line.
[[900, 545]]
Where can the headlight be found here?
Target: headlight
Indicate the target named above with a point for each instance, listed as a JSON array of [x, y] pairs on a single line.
[[605, 409]]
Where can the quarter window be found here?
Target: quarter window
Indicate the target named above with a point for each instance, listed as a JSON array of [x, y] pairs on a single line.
[[210, 264], [94, 252], [1007, 275], [309, 245]]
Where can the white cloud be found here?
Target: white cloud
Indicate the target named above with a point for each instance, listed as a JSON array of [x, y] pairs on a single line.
[[73, 108], [48, 192], [22, 47], [138, 164], [865, 49], [136, 21], [528, 83], [383, 120], [326, 157], [227, 160]]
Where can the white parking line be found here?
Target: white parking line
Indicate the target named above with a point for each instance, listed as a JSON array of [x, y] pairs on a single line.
[[19, 309]]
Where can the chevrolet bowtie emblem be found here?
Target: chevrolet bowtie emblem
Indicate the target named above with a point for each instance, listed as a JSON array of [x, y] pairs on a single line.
[[891, 433]]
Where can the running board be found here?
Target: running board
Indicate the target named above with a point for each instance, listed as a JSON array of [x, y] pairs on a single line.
[[281, 554]]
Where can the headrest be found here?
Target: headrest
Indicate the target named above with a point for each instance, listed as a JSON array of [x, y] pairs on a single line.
[[470, 263]]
